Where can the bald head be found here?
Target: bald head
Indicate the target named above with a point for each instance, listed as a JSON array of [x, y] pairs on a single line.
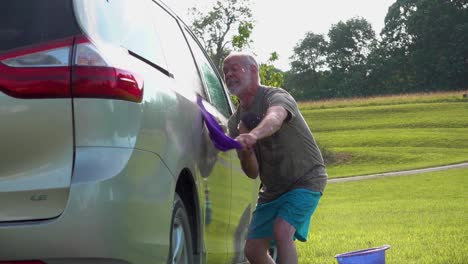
[[245, 58], [241, 73]]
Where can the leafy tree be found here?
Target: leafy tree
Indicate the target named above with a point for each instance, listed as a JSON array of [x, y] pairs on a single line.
[[308, 61], [309, 54], [307, 86], [227, 26], [423, 47], [269, 75], [430, 38], [350, 43], [333, 68]]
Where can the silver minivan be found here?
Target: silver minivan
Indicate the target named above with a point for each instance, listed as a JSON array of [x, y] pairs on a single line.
[[104, 154]]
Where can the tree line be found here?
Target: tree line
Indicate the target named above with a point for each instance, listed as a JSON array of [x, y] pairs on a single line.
[[422, 47]]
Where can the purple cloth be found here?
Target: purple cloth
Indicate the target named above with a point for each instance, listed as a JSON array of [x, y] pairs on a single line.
[[220, 140]]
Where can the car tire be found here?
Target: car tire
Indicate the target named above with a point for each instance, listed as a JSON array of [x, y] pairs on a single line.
[[181, 249]]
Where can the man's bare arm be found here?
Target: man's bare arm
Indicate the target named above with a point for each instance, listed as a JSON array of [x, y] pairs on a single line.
[[271, 123], [247, 156], [249, 163]]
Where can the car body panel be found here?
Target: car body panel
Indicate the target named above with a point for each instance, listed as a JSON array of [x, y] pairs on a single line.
[[119, 206], [36, 157], [127, 159], [244, 195], [215, 171], [101, 123]]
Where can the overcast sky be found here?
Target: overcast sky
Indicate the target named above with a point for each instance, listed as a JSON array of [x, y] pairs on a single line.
[[280, 25]]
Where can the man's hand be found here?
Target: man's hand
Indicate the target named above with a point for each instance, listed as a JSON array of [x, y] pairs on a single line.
[[245, 138]]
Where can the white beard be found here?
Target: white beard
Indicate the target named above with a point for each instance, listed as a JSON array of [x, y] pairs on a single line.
[[239, 87]]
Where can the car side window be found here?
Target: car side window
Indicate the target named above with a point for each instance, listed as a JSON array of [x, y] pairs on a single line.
[[212, 81], [178, 56]]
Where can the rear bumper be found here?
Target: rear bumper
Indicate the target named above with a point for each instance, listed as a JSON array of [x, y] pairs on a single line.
[[119, 211]]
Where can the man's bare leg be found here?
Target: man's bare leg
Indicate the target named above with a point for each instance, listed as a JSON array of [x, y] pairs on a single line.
[[283, 233], [256, 251]]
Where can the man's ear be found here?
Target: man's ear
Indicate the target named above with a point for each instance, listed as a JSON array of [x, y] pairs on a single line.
[[253, 69]]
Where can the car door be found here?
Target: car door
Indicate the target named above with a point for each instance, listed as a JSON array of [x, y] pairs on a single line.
[[217, 187], [244, 189]]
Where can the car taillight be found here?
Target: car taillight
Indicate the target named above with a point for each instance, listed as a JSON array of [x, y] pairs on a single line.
[[64, 69], [92, 77], [38, 72]]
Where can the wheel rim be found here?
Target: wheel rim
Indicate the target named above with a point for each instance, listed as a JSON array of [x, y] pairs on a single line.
[[179, 249]]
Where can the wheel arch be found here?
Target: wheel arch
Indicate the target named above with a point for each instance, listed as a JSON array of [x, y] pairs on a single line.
[[187, 190]]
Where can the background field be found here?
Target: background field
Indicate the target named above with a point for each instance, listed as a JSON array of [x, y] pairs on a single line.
[[364, 136], [422, 217]]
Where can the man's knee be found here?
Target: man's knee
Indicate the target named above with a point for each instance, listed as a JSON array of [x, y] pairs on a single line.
[[255, 249], [249, 249], [282, 230]]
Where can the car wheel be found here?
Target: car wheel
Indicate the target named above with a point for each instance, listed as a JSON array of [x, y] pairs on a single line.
[[181, 240]]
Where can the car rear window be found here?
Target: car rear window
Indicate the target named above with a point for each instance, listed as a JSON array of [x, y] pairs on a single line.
[[26, 22], [125, 23]]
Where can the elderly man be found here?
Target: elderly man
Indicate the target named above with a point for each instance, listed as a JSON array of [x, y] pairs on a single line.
[[281, 149]]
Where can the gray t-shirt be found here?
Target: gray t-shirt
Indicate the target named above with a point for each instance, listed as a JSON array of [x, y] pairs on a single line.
[[290, 158]]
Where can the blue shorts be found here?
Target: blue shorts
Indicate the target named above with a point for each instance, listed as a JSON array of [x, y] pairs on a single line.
[[295, 207]]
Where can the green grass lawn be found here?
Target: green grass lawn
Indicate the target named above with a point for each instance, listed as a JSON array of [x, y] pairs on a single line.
[[424, 218], [364, 136]]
